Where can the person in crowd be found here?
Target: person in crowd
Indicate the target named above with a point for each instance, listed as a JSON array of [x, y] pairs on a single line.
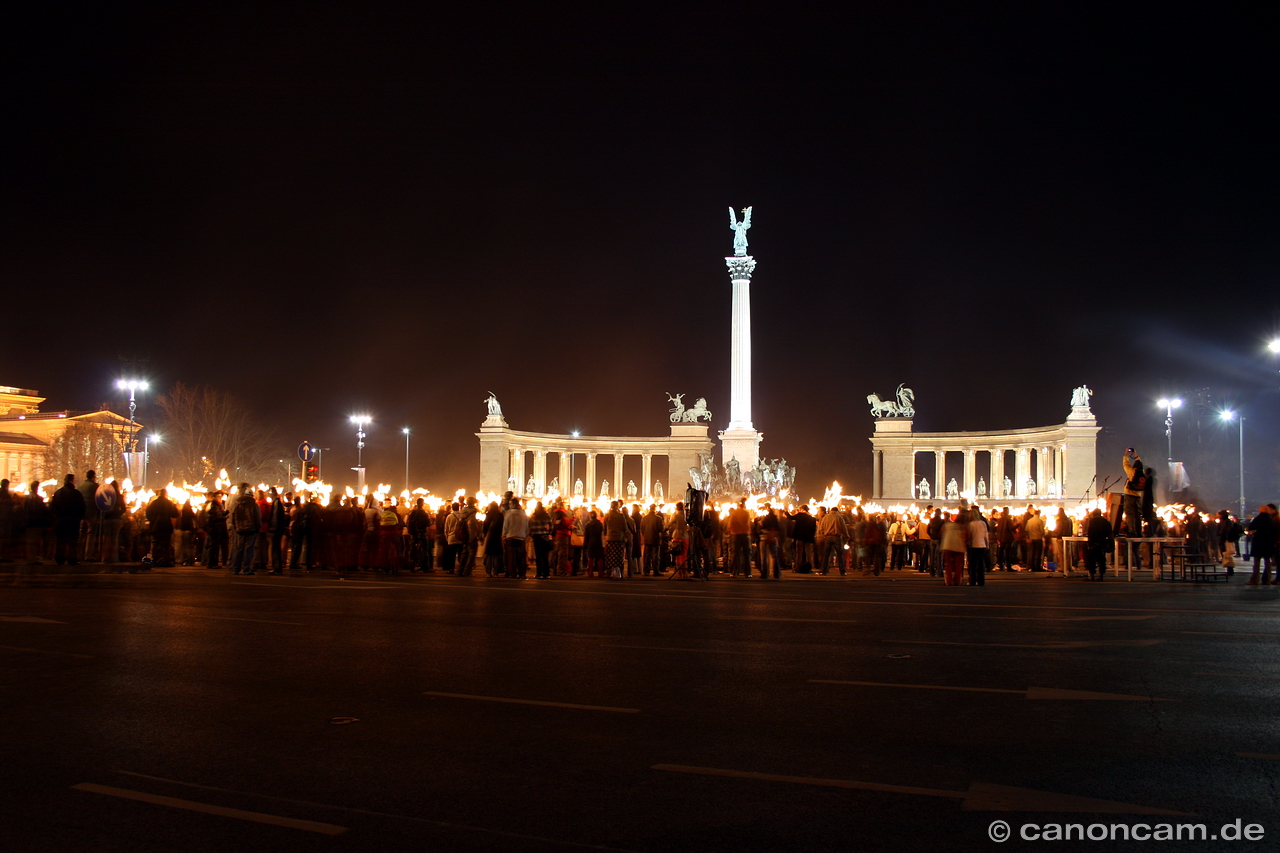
[[68, 511], [1035, 531], [562, 539], [491, 534], [593, 545], [769, 544], [740, 539], [978, 532], [419, 527], [1262, 542], [804, 529], [1101, 541], [615, 541], [90, 527], [186, 529], [277, 524], [215, 531], [246, 519], [651, 529], [953, 544], [1229, 533], [540, 533], [161, 514], [112, 509]]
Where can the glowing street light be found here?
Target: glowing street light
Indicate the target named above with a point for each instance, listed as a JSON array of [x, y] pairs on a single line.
[[1169, 405], [132, 386], [405, 430], [360, 421], [1229, 415]]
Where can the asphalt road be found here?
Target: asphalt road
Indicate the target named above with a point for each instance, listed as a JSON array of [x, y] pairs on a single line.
[[191, 710]]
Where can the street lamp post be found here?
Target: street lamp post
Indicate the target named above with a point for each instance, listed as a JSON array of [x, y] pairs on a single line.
[[146, 455], [1229, 415], [405, 430], [131, 448], [1169, 405], [361, 421], [573, 458]]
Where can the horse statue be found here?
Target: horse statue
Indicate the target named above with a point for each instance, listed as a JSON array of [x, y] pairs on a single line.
[[882, 408], [698, 410]]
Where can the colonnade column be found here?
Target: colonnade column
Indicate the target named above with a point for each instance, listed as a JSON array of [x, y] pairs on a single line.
[[1022, 472], [589, 489], [618, 491], [646, 475], [539, 472], [939, 474], [996, 488], [970, 472], [1042, 474], [876, 473], [566, 488]]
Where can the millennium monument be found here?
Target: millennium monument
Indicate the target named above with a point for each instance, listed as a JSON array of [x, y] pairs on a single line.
[[740, 441]]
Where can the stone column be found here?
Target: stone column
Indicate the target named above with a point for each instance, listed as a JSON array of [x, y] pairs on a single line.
[[740, 440], [589, 484], [995, 488], [1023, 471], [876, 474], [970, 471], [1042, 476], [566, 487], [646, 474], [618, 490], [940, 474], [520, 471], [539, 472]]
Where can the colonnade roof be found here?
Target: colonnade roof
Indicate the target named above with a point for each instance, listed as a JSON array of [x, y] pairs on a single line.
[[630, 444]]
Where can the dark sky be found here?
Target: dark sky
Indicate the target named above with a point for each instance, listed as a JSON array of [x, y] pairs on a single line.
[[395, 213]]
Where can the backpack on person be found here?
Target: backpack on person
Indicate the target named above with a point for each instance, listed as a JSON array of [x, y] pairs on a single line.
[[243, 517], [1138, 483]]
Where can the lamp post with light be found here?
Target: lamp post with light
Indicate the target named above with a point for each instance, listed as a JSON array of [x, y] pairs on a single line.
[[131, 448], [1169, 405], [360, 421], [405, 430], [1229, 415]]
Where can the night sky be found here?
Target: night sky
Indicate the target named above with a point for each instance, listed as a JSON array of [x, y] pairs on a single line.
[[332, 213]]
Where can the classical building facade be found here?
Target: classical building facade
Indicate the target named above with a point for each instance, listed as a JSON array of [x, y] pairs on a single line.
[[27, 435]]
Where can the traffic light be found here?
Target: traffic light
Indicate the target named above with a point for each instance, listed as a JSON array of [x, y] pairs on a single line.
[[313, 473]]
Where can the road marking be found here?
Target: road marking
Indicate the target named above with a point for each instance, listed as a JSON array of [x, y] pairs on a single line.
[[1235, 675], [460, 826], [1230, 634], [670, 649], [789, 619], [981, 796], [243, 619], [1029, 693], [1074, 644], [1264, 755], [1042, 618], [29, 619], [206, 808], [532, 702], [44, 652]]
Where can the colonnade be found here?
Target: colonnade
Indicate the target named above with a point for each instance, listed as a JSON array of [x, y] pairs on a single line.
[[1053, 462], [568, 472], [20, 466]]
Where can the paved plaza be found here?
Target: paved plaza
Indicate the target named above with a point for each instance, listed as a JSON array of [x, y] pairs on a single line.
[[188, 709]]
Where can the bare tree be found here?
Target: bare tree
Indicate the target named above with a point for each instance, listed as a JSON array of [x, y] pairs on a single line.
[[82, 446], [206, 430]]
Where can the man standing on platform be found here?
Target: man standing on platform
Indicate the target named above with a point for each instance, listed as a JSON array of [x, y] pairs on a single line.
[[1134, 486]]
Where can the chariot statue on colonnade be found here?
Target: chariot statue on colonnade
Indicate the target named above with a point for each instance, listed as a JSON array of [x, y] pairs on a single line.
[[903, 406]]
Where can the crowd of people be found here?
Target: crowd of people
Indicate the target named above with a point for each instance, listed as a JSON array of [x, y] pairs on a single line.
[[249, 531]]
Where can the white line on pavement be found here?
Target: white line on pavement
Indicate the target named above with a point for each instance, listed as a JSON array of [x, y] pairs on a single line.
[[206, 808], [532, 702], [44, 652], [243, 619], [348, 809]]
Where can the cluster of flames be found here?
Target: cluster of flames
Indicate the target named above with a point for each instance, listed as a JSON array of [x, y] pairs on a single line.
[[198, 495]]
